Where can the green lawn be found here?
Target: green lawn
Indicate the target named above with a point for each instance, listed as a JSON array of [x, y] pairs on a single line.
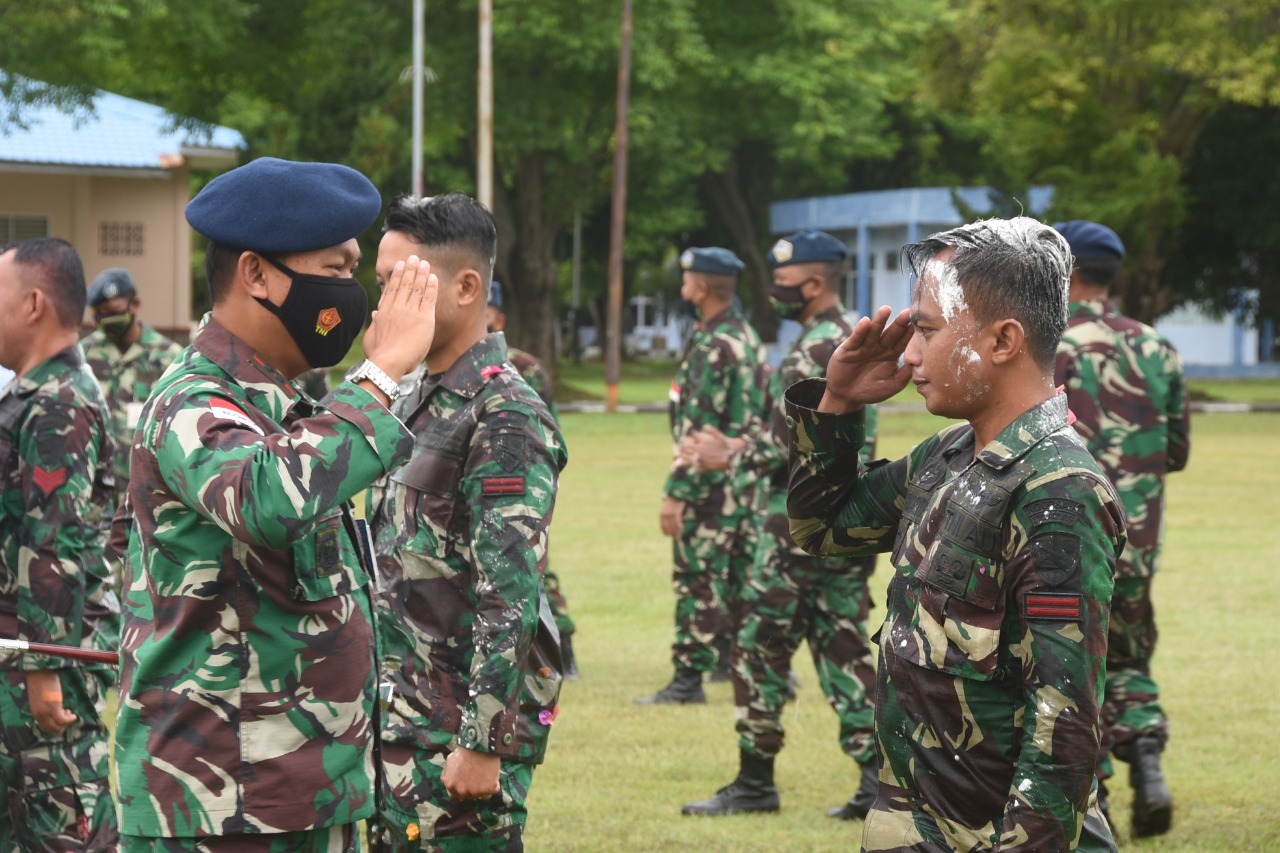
[[618, 773]]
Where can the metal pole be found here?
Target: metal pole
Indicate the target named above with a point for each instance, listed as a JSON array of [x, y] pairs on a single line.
[[68, 652], [418, 38], [577, 286], [484, 133], [613, 358]]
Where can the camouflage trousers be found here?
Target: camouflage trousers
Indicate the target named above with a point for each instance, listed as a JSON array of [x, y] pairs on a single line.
[[712, 555], [55, 786], [559, 606], [417, 812], [1131, 708], [791, 597], [331, 839]]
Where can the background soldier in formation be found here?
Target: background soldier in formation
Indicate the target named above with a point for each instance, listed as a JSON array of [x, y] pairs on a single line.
[[1124, 383], [790, 596], [126, 355], [471, 664], [1004, 533], [532, 371], [720, 384], [249, 682], [55, 454]]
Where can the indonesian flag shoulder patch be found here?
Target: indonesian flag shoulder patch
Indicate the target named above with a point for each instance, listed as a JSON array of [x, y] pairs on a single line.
[[1054, 607], [229, 411]]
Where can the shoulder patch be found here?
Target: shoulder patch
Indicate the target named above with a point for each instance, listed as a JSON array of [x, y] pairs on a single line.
[[1053, 511], [227, 410], [1054, 607], [49, 480], [502, 486], [1056, 557], [508, 450]]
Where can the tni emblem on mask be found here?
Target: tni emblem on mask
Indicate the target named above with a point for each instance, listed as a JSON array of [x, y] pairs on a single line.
[[326, 320]]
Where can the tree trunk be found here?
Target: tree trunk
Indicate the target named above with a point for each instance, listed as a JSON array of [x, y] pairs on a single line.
[[529, 267], [729, 197]]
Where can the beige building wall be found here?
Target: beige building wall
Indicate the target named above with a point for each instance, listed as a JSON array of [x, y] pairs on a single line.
[[132, 222]]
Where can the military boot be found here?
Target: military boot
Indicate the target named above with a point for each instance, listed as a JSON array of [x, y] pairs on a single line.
[[685, 689], [752, 791], [863, 798], [723, 654], [1152, 802], [567, 657]]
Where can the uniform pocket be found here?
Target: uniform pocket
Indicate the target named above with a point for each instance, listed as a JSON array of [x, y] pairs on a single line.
[[326, 562], [427, 491]]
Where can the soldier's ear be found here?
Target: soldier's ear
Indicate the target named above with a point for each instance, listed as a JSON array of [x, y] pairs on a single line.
[[251, 274], [1008, 339], [471, 288]]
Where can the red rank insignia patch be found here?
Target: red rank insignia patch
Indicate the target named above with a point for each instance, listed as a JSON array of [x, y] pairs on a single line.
[[49, 480], [502, 486], [326, 320], [1054, 607]]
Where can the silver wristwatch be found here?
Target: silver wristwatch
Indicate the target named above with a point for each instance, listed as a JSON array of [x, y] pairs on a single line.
[[368, 370]]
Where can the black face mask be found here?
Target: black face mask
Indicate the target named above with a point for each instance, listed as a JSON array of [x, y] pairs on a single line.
[[322, 314], [789, 302], [116, 326]]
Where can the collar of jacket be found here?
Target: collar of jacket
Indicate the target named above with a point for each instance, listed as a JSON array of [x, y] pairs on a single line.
[[70, 357], [1026, 431], [267, 387]]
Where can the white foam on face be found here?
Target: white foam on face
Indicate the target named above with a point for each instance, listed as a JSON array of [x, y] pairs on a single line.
[[944, 285]]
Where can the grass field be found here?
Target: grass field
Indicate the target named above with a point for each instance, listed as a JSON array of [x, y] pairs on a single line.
[[618, 773]]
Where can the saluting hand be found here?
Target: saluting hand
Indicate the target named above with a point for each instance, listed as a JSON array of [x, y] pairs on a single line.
[[864, 368], [404, 323]]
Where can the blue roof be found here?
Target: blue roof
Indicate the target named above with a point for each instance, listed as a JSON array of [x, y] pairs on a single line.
[[118, 133], [888, 208]]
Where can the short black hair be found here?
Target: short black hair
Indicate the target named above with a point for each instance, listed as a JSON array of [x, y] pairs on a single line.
[[449, 221], [55, 268], [1099, 271], [220, 262], [1007, 268]]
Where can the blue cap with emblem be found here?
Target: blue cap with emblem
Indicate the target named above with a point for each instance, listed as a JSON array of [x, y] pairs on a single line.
[[807, 247], [281, 207], [712, 260], [110, 284], [1091, 239]]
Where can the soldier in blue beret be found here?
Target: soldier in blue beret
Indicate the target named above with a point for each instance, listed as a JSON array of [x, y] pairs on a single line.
[[1125, 385], [246, 715], [720, 384]]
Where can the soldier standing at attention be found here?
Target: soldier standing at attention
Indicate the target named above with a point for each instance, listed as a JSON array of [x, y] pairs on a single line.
[[533, 372], [55, 454], [790, 596], [1004, 533], [719, 384], [1125, 386], [471, 664], [248, 689], [126, 355]]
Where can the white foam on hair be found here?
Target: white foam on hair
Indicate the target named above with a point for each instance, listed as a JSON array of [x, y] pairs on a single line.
[[946, 289]]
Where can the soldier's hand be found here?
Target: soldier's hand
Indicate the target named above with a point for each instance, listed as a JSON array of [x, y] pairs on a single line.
[[471, 775], [687, 451], [671, 518], [404, 322], [714, 449], [864, 368], [44, 694]]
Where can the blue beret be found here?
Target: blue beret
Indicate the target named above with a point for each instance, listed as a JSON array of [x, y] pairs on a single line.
[[111, 284], [495, 294], [713, 260], [807, 247], [1090, 239], [280, 207]]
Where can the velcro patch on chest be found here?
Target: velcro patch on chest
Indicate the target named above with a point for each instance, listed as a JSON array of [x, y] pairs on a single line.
[[502, 486], [1054, 607]]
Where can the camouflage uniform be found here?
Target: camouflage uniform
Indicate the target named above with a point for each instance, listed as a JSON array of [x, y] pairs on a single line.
[[790, 596], [1124, 384], [249, 683], [471, 653], [994, 641], [127, 378], [532, 372], [720, 383], [55, 453]]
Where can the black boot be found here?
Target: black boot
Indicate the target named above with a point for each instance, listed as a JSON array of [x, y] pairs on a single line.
[[567, 658], [752, 791], [1152, 802], [723, 654], [685, 689], [863, 798]]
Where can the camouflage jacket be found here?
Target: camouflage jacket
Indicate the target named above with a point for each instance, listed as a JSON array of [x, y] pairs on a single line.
[[55, 453], [126, 378], [249, 684], [531, 370], [471, 654], [1125, 386], [993, 648], [722, 382]]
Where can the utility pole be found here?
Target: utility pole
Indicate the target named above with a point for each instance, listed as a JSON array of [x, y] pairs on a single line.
[[484, 111], [613, 335], [418, 38]]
